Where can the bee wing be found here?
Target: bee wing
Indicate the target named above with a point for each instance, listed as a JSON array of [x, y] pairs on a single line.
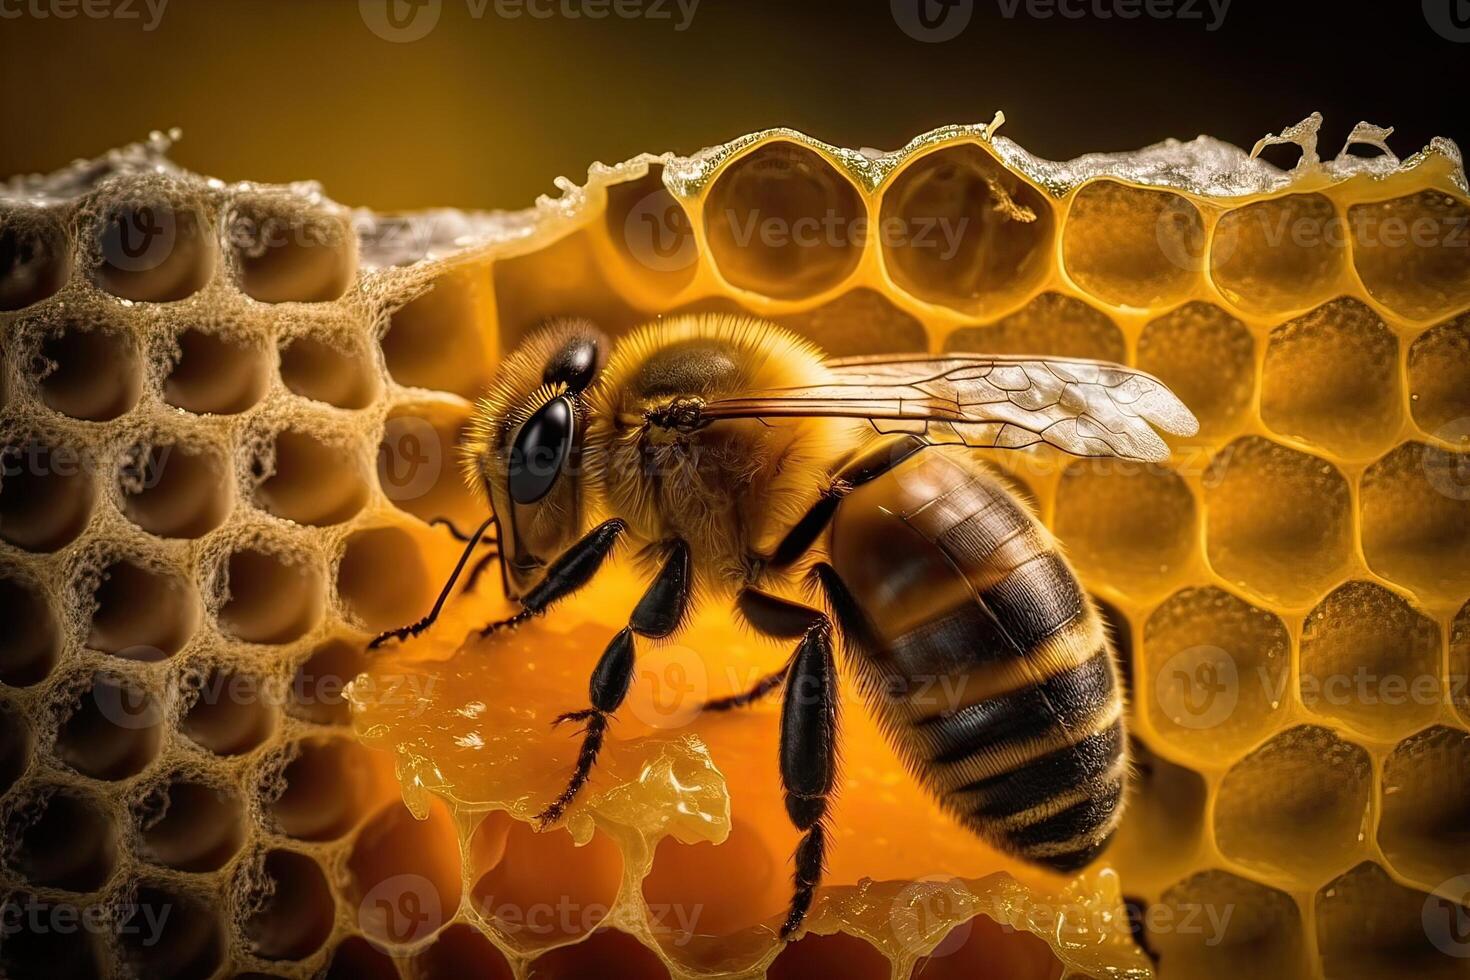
[[1087, 408]]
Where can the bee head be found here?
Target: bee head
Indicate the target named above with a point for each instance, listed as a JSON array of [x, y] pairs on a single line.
[[524, 448]]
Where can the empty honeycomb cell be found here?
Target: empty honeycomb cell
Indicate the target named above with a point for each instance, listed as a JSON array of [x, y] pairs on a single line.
[[983, 949], [862, 321], [316, 688], [1283, 253], [1052, 324], [1459, 678], [228, 713], [328, 783], [1218, 668], [35, 257], [62, 839], [1371, 927], [169, 933], [36, 946], [783, 222], [89, 372], [1129, 525], [1207, 357], [544, 890], [46, 494], [175, 491], [343, 375], [1279, 522], [1413, 252], [1298, 804], [15, 746], [311, 480], [142, 613], [1371, 661], [459, 951], [1416, 519], [296, 912], [1331, 377], [959, 229], [382, 580], [31, 642], [357, 959], [1439, 379], [435, 341], [403, 874], [417, 464], [1165, 807], [270, 597], [652, 232], [1425, 826], [216, 373], [190, 826], [1218, 926], [1133, 246], [837, 954], [571, 276], [607, 954], [113, 731], [289, 254], [153, 250]]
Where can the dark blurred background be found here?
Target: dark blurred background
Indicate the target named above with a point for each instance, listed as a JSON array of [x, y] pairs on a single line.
[[497, 97]]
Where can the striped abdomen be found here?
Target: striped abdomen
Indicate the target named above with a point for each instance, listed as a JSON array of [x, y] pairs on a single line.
[[986, 664]]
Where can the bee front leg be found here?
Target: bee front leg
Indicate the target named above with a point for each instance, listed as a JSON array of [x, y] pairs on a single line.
[[659, 613], [567, 574]]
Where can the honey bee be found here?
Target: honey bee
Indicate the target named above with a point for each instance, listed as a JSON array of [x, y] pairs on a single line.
[[742, 465]]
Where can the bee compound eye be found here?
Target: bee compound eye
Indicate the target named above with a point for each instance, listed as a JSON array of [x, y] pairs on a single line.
[[540, 451]]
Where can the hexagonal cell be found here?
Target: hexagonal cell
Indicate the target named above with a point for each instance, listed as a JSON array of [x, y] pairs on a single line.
[[310, 480], [114, 731], [1298, 804], [651, 232], [153, 251], [436, 341], [1331, 377], [1410, 252], [15, 746], [1217, 925], [357, 959], [862, 321], [382, 580], [190, 826], [35, 256], [217, 374], [1279, 521], [1131, 526], [417, 463], [316, 688], [460, 951], [1439, 379], [294, 913], [1370, 660], [90, 372], [1280, 254], [228, 713], [530, 872], [46, 494], [1133, 246], [836, 955], [322, 371], [1218, 668], [1459, 678], [142, 613], [270, 598], [33, 949], [175, 491], [568, 277], [403, 874], [1369, 927], [328, 783], [171, 933], [1207, 357], [608, 954], [62, 839], [783, 222], [287, 253], [1053, 325], [31, 644], [1166, 809], [1425, 826], [1416, 519], [958, 228]]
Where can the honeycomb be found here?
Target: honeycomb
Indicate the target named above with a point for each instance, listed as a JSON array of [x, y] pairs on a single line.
[[229, 414]]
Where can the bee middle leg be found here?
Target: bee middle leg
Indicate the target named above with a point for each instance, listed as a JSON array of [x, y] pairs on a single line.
[[772, 616], [659, 613]]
